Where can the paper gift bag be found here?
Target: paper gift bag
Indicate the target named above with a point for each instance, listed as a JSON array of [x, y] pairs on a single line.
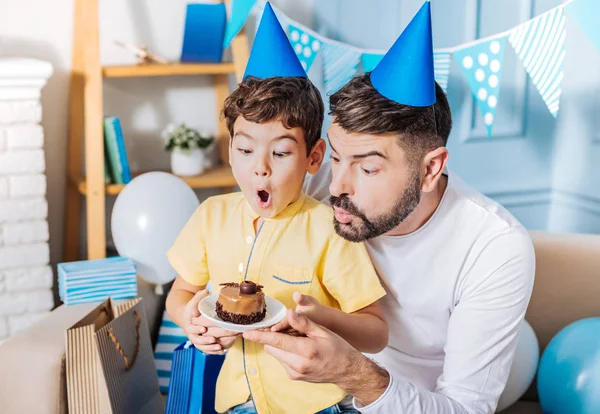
[[109, 362], [193, 381]]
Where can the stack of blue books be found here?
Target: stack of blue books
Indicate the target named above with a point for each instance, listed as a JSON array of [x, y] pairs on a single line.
[[97, 280], [116, 165]]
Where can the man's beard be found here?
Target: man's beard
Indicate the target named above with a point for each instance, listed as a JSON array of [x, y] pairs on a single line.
[[368, 228]]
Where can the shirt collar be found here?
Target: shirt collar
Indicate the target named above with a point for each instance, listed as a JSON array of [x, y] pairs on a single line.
[[287, 213]]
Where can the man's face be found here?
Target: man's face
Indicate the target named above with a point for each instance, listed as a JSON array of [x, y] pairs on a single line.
[[269, 163], [374, 186]]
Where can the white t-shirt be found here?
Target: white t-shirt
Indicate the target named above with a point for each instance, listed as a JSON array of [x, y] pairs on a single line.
[[457, 292]]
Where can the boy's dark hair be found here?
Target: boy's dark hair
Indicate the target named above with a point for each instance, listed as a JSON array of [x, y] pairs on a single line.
[[294, 101], [358, 107]]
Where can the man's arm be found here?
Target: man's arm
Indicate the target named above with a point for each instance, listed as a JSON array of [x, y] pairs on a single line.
[[482, 336], [365, 329]]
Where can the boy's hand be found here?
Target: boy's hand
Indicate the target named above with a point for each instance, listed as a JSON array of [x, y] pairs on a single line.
[[205, 336], [305, 305]]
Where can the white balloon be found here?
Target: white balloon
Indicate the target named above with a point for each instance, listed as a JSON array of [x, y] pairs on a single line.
[[146, 219], [523, 369]]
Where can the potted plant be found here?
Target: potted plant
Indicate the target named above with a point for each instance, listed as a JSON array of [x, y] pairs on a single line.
[[191, 151]]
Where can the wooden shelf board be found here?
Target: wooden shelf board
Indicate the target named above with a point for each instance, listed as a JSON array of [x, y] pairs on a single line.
[[218, 177], [171, 69]]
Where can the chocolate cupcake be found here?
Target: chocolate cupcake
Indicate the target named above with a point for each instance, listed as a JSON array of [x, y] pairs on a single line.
[[241, 303]]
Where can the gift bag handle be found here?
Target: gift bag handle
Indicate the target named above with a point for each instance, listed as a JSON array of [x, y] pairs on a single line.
[[129, 364]]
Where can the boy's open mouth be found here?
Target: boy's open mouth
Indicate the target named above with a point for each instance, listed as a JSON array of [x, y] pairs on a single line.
[[264, 198]]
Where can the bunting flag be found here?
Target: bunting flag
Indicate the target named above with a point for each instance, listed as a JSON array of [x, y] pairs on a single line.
[[370, 60], [482, 64], [340, 64], [540, 44], [305, 45], [240, 10], [586, 13], [258, 11], [441, 68]]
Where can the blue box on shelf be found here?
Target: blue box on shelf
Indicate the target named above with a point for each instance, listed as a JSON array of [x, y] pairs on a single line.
[[204, 33]]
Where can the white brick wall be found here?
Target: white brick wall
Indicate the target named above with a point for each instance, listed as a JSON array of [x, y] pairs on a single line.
[[26, 277], [26, 302], [29, 278], [22, 162], [3, 328], [24, 136], [26, 185], [3, 187], [23, 209], [17, 112], [25, 232], [25, 255]]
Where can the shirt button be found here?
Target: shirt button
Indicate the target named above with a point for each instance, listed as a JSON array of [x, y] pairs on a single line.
[[252, 371], [248, 239]]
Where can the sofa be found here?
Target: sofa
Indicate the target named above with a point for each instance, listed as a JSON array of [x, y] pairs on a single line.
[[567, 288]]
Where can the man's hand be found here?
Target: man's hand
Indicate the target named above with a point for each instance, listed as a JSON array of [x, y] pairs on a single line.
[[205, 336], [323, 357], [305, 305]]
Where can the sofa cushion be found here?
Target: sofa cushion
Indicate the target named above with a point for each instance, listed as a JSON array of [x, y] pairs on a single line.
[[35, 360]]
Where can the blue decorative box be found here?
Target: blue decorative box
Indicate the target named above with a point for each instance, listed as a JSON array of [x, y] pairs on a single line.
[[95, 280], [193, 381], [204, 32]]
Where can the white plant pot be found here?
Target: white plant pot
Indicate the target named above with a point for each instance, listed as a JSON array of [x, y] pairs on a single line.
[[188, 162]]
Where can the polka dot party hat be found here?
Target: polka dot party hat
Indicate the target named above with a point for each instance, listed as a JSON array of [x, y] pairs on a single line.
[[272, 54], [405, 74]]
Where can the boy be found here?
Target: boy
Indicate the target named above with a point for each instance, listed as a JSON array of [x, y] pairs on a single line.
[[274, 235]]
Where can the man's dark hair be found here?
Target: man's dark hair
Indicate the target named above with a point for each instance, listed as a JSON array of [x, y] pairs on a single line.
[[294, 101], [359, 108]]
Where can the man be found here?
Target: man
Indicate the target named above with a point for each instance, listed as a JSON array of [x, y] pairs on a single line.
[[457, 267]]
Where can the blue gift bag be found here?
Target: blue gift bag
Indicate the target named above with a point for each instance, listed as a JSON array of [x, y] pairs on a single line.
[[193, 381], [204, 33]]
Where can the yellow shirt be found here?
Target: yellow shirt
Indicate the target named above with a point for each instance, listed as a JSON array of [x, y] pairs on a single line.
[[296, 251]]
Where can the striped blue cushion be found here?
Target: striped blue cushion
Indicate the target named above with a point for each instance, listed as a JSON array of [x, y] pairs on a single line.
[[169, 337]]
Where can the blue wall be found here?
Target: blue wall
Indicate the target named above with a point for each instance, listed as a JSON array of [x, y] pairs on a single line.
[[542, 169]]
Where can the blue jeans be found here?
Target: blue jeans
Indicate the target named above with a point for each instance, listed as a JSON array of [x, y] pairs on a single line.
[[343, 407]]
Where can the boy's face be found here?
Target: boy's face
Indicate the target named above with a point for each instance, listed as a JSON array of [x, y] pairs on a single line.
[[269, 163]]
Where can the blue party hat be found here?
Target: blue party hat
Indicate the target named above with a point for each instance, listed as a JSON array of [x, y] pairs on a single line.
[[272, 53], [405, 74]]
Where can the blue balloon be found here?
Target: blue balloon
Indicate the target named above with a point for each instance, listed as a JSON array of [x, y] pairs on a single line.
[[569, 370]]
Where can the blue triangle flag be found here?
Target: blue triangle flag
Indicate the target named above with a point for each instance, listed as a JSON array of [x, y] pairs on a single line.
[[482, 65], [272, 54], [305, 45], [370, 61], [340, 64], [544, 59], [585, 14], [240, 10], [405, 74]]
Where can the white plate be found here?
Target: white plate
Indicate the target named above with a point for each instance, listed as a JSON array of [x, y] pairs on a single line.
[[276, 312]]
